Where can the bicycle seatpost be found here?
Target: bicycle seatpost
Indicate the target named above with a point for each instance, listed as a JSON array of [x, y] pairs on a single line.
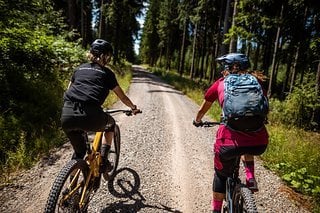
[[85, 136]]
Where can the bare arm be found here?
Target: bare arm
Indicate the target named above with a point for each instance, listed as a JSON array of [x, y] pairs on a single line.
[[124, 98], [205, 106]]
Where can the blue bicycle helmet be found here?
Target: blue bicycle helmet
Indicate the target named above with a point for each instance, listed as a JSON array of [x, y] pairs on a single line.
[[230, 59], [100, 46]]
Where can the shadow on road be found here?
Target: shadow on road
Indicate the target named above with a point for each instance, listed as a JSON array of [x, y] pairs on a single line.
[[126, 184], [145, 77]]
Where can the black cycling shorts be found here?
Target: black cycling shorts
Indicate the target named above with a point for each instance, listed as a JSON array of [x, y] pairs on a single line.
[[226, 155], [77, 118]]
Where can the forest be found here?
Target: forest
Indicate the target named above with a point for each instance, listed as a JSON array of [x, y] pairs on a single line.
[[42, 41]]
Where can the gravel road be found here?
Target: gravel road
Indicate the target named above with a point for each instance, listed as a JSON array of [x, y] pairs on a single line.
[[165, 164]]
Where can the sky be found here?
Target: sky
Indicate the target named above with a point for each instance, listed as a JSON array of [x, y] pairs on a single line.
[[141, 21]]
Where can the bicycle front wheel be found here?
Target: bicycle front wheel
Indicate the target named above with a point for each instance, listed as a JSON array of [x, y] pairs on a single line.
[[244, 200], [114, 153], [67, 188]]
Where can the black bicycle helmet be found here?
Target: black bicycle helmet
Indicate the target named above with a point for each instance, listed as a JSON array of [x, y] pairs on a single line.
[[230, 59], [100, 46]]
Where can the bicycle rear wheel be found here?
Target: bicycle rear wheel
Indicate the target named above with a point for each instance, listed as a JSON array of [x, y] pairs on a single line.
[[244, 200], [114, 153], [67, 188]]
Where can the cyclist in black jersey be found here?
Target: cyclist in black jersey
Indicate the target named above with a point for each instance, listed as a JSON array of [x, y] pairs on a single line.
[[89, 87]]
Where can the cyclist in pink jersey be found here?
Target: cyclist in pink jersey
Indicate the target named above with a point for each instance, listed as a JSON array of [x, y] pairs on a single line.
[[230, 143]]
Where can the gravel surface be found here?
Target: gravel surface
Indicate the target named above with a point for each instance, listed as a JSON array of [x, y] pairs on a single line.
[[166, 164]]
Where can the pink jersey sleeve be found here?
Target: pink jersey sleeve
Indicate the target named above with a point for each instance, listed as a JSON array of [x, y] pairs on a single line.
[[215, 92]]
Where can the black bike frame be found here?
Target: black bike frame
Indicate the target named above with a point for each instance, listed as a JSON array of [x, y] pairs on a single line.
[[233, 183], [231, 186]]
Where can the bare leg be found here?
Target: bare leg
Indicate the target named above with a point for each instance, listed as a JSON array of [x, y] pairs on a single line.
[[217, 200], [105, 147], [107, 139], [247, 157]]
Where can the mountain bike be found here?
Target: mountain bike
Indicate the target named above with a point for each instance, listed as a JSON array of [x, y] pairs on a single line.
[[239, 198], [79, 179]]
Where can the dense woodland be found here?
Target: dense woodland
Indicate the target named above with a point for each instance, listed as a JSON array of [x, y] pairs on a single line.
[[42, 41], [281, 37]]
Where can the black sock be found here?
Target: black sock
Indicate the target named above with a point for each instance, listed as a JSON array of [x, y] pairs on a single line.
[[105, 150]]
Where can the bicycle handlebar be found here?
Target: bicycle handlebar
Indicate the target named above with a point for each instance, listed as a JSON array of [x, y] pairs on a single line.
[[209, 123], [126, 111]]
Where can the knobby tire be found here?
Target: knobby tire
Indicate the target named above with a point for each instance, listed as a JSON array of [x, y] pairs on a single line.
[[244, 201], [114, 152], [63, 178]]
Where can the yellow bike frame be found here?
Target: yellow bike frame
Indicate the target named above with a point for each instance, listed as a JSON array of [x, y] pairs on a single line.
[[93, 159]]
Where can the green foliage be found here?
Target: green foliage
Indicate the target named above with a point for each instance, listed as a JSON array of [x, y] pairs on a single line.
[[122, 27], [299, 107], [33, 66], [193, 90], [300, 179], [124, 77], [36, 62], [150, 37], [22, 157], [294, 154], [31, 14]]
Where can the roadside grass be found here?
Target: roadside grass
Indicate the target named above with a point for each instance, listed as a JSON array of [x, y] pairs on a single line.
[[294, 154], [193, 89], [124, 76]]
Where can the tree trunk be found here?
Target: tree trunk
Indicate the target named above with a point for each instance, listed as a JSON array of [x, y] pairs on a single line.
[[316, 112], [274, 57], [193, 52], [102, 24], [72, 14], [256, 57], [287, 75], [248, 48], [168, 55], [234, 39], [82, 23], [318, 80], [204, 49], [216, 44], [183, 49], [207, 64], [294, 68], [160, 57], [275, 74], [305, 24], [226, 26], [88, 25], [213, 62], [218, 34]]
